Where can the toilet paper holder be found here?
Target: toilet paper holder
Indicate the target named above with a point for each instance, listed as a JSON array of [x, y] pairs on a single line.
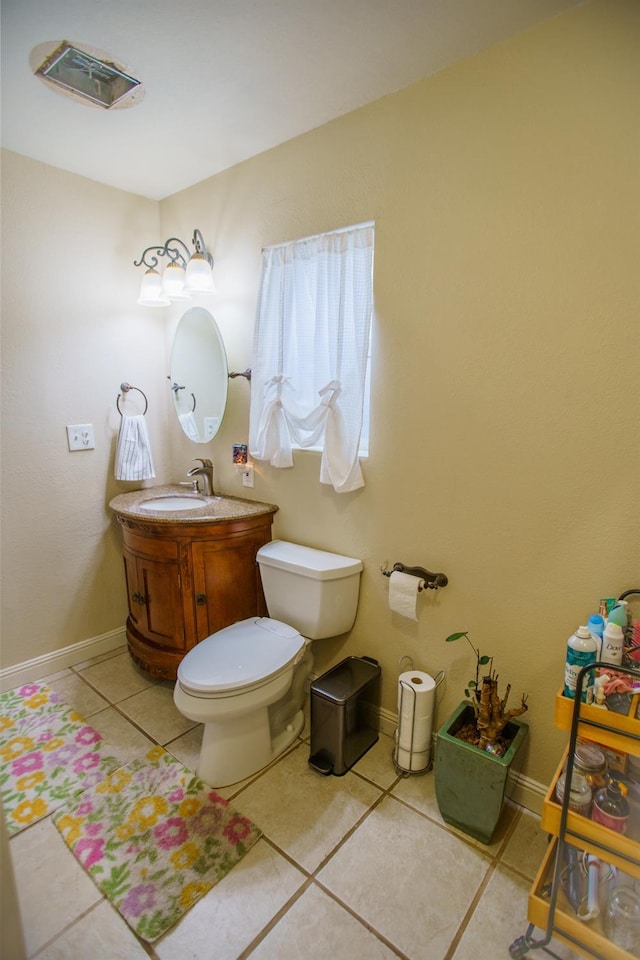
[[431, 580]]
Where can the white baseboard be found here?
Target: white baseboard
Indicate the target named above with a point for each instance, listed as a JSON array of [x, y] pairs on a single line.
[[31, 670]]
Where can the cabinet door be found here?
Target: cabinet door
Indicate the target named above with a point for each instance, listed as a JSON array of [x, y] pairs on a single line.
[[227, 584], [155, 600]]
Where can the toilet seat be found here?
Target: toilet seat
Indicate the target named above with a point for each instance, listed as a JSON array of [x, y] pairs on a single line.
[[240, 657]]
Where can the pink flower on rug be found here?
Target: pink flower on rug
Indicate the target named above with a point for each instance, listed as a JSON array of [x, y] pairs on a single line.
[[28, 690], [45, 737], [237, 829], [216, 798], [93, 828], [26, 764], [66, 752], [206, 821], [84, 808], [139, 899], [89, 852], [87, 735], [93, 778], [176, 795], [171, 833], [86, 762]]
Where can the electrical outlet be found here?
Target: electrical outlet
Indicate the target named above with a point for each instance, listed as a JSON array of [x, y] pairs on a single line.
[[247, 476], [80, 436], [211, 427]]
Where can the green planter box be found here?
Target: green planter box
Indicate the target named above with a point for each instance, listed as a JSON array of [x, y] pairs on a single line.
[[470, 783]]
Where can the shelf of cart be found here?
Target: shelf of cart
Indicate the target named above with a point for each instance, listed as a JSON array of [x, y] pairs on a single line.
[[615, 730], [587, 937], [612, 847]]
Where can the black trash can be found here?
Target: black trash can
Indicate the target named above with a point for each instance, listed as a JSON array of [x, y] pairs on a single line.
[[345, 706]]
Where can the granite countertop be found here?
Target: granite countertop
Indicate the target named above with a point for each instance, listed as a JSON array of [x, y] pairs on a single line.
[[217, 508]]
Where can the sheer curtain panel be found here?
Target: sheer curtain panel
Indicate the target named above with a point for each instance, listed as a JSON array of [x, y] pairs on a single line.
[[310, 352]]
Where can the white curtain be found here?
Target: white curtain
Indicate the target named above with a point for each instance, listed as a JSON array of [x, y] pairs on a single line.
[[310, 352]]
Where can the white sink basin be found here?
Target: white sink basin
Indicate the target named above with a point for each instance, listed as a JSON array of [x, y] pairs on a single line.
[[171, 503]]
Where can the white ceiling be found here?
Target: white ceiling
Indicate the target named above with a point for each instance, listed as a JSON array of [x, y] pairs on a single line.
[[226, 79]]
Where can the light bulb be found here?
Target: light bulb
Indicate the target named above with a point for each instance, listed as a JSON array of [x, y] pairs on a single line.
[[199, 275], [173, 280], [151, 294]]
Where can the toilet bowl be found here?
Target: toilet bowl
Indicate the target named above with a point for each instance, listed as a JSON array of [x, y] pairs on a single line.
[[246, 683]]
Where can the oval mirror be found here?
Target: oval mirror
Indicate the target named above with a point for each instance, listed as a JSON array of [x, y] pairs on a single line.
[[199, 375]]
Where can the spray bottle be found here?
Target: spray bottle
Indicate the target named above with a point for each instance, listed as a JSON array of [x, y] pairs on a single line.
[[582, 649]]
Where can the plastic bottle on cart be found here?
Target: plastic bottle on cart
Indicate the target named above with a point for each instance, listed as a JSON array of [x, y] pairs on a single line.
[[582, 649], [619, 614], [595, 625], [612, 644]]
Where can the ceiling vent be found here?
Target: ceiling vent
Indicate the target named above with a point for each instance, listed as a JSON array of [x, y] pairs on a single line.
[[82, 74]]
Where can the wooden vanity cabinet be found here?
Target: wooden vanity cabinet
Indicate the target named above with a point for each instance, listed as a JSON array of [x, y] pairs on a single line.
[[187, 580]]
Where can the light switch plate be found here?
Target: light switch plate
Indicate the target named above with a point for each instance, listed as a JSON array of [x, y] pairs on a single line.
[[80, 436]]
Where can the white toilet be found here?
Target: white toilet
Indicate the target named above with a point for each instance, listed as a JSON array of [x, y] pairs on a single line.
[[246, 682]]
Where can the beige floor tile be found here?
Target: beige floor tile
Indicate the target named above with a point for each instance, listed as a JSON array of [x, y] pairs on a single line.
[[527, 845], [83, 664], [231, 916], [153, 709], [116, 678], [499, 919], [55, 676], [304, 813], [123, 740], [100, 934], [377, 763], [420, 793], [186, 748], [53, 889], [409, 878], [78, 694], [108, 655], [317, 928]]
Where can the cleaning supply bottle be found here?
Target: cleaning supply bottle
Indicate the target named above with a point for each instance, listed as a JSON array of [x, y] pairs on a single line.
[[595, 625], [582, 649], [620, 614], [612, 644]]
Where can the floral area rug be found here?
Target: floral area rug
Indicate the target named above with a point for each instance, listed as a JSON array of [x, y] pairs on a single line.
[[48, 753], [155, 839]]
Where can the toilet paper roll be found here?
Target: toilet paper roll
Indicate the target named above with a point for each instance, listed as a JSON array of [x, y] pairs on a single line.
[[416, 699], [403, 594]]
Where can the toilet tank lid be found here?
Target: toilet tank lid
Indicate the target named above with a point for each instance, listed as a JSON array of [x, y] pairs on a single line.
[[307, 561]]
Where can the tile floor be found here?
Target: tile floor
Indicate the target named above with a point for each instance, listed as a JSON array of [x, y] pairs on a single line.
[[359, 867]]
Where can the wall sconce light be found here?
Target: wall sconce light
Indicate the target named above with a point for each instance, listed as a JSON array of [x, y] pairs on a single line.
[[185, 273]]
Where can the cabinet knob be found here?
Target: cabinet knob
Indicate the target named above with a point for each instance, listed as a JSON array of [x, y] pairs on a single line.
[[201, 598], [139, 598]]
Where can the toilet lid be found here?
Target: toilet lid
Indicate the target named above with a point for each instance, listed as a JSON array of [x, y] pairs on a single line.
[[239, 655]]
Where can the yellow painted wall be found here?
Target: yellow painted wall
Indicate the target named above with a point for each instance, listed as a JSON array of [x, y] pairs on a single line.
[[504, 439], [71, 334], [504, 435]]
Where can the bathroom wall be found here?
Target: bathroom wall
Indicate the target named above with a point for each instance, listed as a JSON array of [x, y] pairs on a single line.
[[71, 333], [504, 444], [504, 436]]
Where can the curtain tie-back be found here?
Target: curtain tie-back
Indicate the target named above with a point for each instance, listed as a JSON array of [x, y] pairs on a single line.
[[330, 393]]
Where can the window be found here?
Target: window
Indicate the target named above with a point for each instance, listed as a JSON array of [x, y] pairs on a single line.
[[311, 351]]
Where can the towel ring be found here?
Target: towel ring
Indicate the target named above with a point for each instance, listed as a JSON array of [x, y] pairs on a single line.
[[125, 387]]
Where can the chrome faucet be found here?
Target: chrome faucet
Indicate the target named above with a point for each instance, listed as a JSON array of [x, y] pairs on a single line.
[[206, 472]]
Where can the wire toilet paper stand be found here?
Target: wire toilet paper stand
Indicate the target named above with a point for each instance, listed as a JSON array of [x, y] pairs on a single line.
[[407, 698]]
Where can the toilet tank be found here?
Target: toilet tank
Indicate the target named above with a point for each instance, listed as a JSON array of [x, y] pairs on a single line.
[[312, 590]]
